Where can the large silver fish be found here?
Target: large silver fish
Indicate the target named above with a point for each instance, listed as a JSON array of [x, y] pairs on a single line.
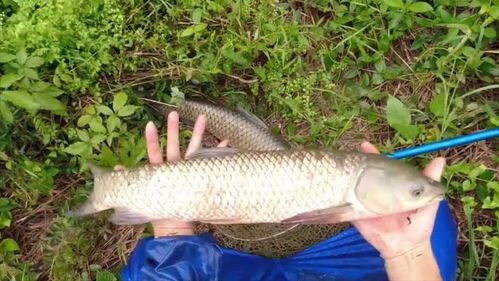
[[242, 128], [225, 185]]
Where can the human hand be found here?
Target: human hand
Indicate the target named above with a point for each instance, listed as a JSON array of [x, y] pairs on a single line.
[[172, 227], [397, 234]]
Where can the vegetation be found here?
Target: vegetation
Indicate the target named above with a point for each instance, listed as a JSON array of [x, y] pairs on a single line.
[[325, 72]]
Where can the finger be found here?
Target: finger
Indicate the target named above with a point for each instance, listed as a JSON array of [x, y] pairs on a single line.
[[172, 144], [435, 169], [368, 147], [197, 135], [152, 140], [223, 143]]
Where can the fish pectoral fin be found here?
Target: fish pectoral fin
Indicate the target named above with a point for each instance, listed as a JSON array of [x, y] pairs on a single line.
[[252, 117], [215, 152], [322, 216], [125, 216]]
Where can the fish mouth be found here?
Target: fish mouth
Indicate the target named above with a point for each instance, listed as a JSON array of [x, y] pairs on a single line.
[[437, 198]]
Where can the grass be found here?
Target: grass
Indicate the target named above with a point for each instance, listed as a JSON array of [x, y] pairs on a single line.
[[322, 73]]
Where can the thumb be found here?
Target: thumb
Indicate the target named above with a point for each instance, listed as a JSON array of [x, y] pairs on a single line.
[[435, 169]]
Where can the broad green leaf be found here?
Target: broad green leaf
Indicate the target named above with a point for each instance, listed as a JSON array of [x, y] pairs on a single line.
[[8, 79], [196, 15], [397, 112], [112, 122], [119, 101], [494, 12], [127, 110], [6, 57], [83, 120], [34, 62], [79, 148], [394, 3], [235, 57], [83, 135], [21, 99], [96, 125], [53, 91], [39, 86], [409, 132], [8, 245], [6, 112], [420, 7], [22, 56], [98, 139], [193, 29], [105, 110], [489, 32], [437, 105], [108, 157], [31, 73], [50, 103]]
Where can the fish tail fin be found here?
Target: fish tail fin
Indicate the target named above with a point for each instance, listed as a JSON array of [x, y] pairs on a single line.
[[93, 205]]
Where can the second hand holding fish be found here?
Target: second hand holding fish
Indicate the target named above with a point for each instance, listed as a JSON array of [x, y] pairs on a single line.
[[172, 227]]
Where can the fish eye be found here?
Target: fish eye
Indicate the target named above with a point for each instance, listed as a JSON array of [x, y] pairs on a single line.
[[417, 190]]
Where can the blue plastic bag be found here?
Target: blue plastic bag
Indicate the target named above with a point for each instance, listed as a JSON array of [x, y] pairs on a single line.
[[343, 257]]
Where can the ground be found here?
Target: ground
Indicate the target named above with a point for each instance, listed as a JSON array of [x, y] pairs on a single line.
[[327, 73]]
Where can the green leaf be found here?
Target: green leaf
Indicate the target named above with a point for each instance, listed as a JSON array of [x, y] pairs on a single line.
[[6, 112], [178, 97], [492, 243], [119, 101], [6, 57], [50, 103], [193, 29], [83, 135], [98, 139], [105, 276], [79, 148], [22, 56], [96, 125], [112, 122], [21, 99], [8, 245], [196, 15], [420, 7], [409, 132], [108, 157], [235, 57], [127, 110], [83, 120], [489, 32], [34, 62], [8, 79], [394, 3], [397, 112], [437, 105], [105, 110], [31, 73]]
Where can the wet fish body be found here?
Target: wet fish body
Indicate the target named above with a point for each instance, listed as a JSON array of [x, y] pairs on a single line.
[[224, 185], [240, 127]]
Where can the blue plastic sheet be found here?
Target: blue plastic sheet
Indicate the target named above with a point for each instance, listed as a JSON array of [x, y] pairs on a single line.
[[343, 257]]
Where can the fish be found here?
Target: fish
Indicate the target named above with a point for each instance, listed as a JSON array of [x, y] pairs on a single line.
[[235, 186], [242, 128]]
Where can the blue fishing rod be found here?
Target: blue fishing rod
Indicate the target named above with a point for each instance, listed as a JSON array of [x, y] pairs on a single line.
[[444, 144]]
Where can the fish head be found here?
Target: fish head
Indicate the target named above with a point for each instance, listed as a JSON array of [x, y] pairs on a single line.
[[386, 186]]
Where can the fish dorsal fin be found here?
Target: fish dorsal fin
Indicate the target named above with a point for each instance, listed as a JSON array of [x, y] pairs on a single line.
[[97, 171], [214, 152], [252, 117]]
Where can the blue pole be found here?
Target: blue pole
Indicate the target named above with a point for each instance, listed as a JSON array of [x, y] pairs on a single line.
[[444, 144]]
